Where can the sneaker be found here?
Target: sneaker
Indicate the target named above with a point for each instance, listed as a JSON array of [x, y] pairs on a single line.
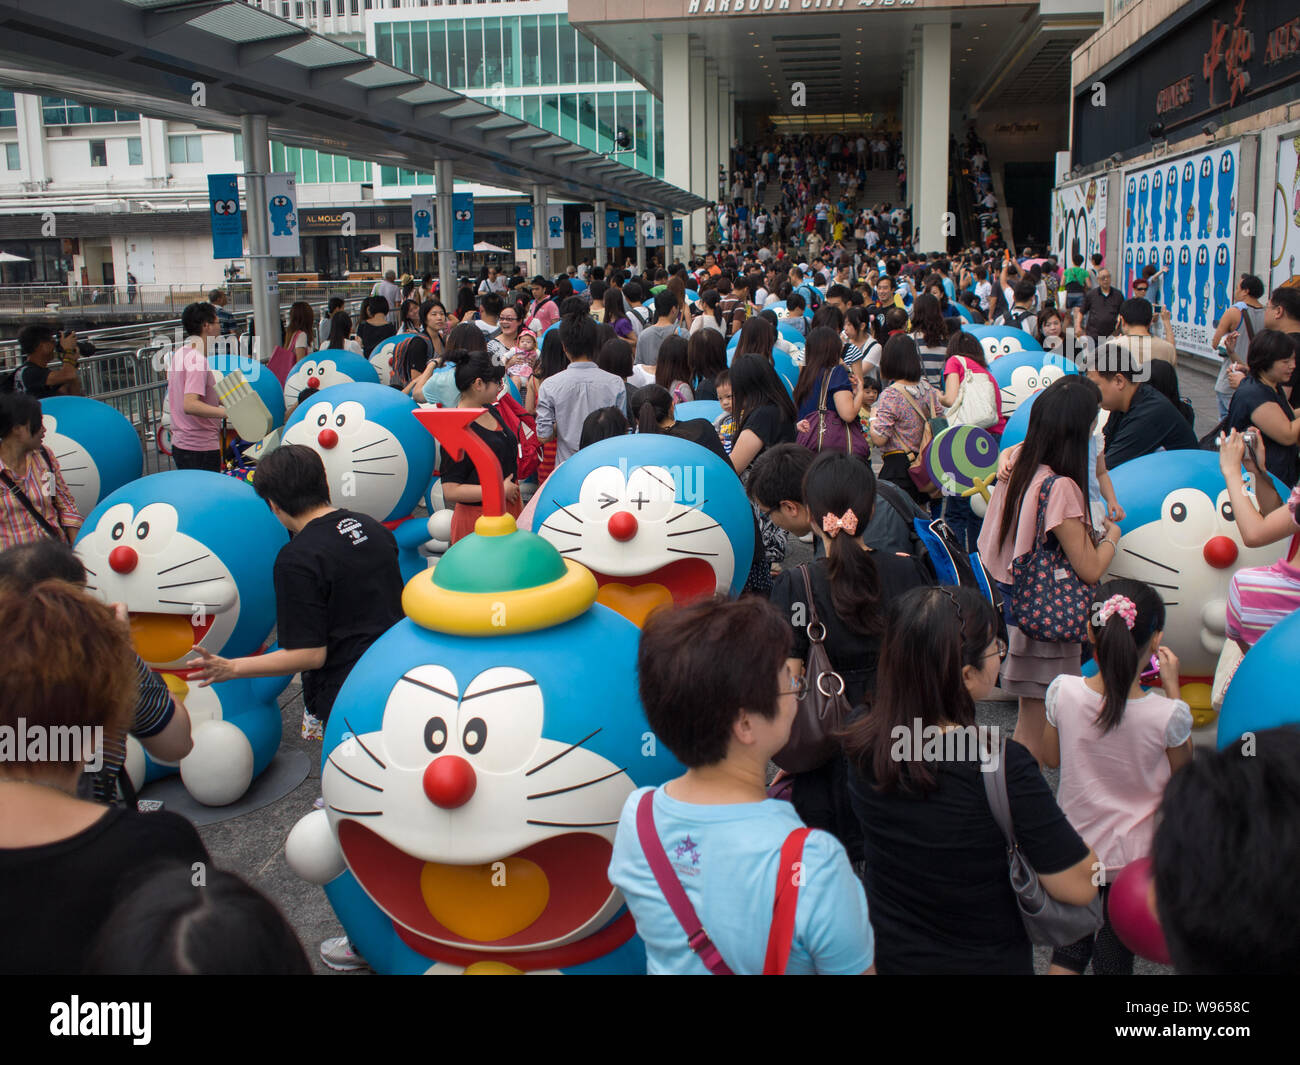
[[313, 728], [338, 954]]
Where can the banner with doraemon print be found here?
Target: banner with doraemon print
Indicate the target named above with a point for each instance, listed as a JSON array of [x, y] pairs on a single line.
[[1181, 214], [523, 227], [555, 225], [613, 229], [587, 225], [1079, 220], [462, 221], [1284, 255], [677, 231], [629, 231], [423, 222], [282, 215]]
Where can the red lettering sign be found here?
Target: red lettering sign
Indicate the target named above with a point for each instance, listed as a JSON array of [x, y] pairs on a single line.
[[1283, 42], [1232, 47]]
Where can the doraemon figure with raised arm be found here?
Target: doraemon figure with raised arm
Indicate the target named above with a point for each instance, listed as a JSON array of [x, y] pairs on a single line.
[[377, 459], [97, 448], [1180, 537], [477, 760], [658, 520], [190, 553], [324, 369]]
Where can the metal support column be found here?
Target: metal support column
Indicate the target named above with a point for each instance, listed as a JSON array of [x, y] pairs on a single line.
[[602, 243], [444, 179], [262, 276], [670, 253], [640, 241], [541, 233]]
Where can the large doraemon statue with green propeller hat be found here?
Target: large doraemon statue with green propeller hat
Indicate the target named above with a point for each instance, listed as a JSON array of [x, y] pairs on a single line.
[[477, 760]]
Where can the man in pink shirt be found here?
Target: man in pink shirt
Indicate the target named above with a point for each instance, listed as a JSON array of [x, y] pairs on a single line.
[[196, 414]]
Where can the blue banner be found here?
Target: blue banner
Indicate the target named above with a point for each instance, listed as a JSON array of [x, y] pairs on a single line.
[[227, 222], [677, 230], [629, 231], [613, 229], [523, 227], [462, 221]]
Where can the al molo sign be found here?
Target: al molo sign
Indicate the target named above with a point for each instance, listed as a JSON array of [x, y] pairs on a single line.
[[755, 7]]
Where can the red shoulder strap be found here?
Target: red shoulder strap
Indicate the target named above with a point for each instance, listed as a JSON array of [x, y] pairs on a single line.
[[789, 876]]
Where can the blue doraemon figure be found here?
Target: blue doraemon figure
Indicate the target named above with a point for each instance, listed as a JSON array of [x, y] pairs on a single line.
[[267, 386], [1227, 201], [588, 229], [1189, 211], [1128, 270], [1021, 375], [324, 369], [1184, 283], [381, 356], [555, 226], [1001, 341], [1171, 202], [283, 219], [378, 460], [1139, 262], [476, 763], [1130, 214], [1202, 300], [191, 553], [657, 520], [1259, 697], [97, 448], [423, 224], [1157, 186], [1222, 281], [1204, 198], [1142, 208], [1179, 536]]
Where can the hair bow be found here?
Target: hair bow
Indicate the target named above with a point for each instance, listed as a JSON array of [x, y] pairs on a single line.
[[1121, 605], [831, 524]]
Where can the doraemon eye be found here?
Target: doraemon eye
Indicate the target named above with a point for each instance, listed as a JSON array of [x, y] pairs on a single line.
[[651, 491], [348, 417], [1227, 517], [500, 719], [322, 413], [416, 716], [606, 500], [601, 484], [1188, 517]]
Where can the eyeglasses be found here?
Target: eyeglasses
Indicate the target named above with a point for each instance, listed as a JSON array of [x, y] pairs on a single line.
[[1000, 650], [1139, 288], [800, 687]]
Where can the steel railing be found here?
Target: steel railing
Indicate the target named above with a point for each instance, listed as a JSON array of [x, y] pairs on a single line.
[[40, 301]]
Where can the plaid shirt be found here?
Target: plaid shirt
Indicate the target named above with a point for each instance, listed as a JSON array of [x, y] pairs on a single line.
[[47, 491]]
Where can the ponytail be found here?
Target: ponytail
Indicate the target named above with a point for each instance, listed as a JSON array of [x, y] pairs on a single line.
[[1118, 646], [650, 405], [834, 485]]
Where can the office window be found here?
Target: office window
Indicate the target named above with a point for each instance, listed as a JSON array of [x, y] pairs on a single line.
[[420, 50], [493, 74], [134, 152], [187, 148], [457, 72], [586, 59], [402, 45], [511, 65], [474, 52], [57, 111], [549, 49], [13, 160], [530, 50], [384, 42], [8, 109], [438, 53], [568, 40], [98, 153]]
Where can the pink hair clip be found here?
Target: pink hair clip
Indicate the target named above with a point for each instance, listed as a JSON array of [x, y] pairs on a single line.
[[831, 524], [1121, 605]]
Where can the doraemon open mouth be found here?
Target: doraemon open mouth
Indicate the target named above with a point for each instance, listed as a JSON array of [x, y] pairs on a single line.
[[672, 585], [459, 913], [168, 637]]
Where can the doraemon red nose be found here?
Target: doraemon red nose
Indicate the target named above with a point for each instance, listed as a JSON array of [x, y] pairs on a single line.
[[313, 382], [327, 438], [123, 559], [622, 526], [1220, 552], [449, 781]]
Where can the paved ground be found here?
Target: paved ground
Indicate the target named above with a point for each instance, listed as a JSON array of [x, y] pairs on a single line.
[[253, 845]]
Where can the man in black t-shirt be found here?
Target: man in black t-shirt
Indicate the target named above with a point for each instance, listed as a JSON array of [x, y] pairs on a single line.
[[1141, 420], [1100, 307], [38, 343], [337, 586]]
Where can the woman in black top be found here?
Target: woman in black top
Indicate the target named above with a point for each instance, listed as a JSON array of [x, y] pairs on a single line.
[[479, 380], [412, 357], [1261, 403], [615, 356], [935, 867], [652, 407], [375, 325], [764, 413], [706, 355]]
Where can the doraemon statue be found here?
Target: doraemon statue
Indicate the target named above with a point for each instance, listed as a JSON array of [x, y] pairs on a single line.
[[1260, 695], [1021, 375], [785, 367], [191, 553], [267, 386], [1180, 537], [1000, 341], [324, 369], [476, 762], [381, 357], [657, 519], [378, 460], [97, 449]]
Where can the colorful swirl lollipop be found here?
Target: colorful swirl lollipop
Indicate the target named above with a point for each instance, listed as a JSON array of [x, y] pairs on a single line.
[[963, 460]]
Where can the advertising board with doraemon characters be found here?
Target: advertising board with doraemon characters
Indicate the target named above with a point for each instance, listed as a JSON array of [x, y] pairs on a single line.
[[1079, 220], [1284, 258], [1181, 214]]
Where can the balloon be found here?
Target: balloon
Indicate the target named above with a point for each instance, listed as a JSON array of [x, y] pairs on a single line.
[[1131, 916]]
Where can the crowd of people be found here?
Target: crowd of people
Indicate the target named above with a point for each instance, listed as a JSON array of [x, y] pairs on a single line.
[[906, 869]]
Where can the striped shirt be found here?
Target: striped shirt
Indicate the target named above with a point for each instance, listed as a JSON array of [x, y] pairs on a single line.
[[1261, 596], [43, 484], [153, 713]]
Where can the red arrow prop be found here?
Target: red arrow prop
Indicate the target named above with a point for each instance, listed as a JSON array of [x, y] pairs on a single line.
[[450, 426]]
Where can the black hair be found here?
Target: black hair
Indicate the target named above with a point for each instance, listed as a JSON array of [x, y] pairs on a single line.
[[551, 358], [632, 291], [335, 303], [1060, 425], [837, 292], [1226, 846], [340, 328], [671, 364], [614, 306], [894, 320], [1288, 299], [967, 345], [379, 305], [900, 361], [829, 316], [1115, 358], [19, 408], [169, 926], [24, 566], [755, 384], [1024, 291], [597, 290], [757, 337], [491, 303], [425, 308], [835, 484], [31, 337], [777, 475], [196, 316], [665, 304], [706, 355], [578, 335], [927, 319], [1118, 648], [616, 357], [466, 337], [795, 302], [1269, 346], [1136, 311], [822, 354], [293, 476], [601, 424], [1252, 286], [472, 366], [650, 405]]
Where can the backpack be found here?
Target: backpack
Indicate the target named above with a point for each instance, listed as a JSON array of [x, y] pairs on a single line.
[[524, 426], [811, 296], [977, 402], [9, 380]]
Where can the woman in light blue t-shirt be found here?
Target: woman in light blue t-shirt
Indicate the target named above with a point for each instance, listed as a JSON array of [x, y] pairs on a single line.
[[716, 692]]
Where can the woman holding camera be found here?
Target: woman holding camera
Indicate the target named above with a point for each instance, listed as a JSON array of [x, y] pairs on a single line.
[[1261, 403]]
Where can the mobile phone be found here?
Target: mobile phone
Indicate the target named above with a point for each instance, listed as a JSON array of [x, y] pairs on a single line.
[[1151, 675]]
